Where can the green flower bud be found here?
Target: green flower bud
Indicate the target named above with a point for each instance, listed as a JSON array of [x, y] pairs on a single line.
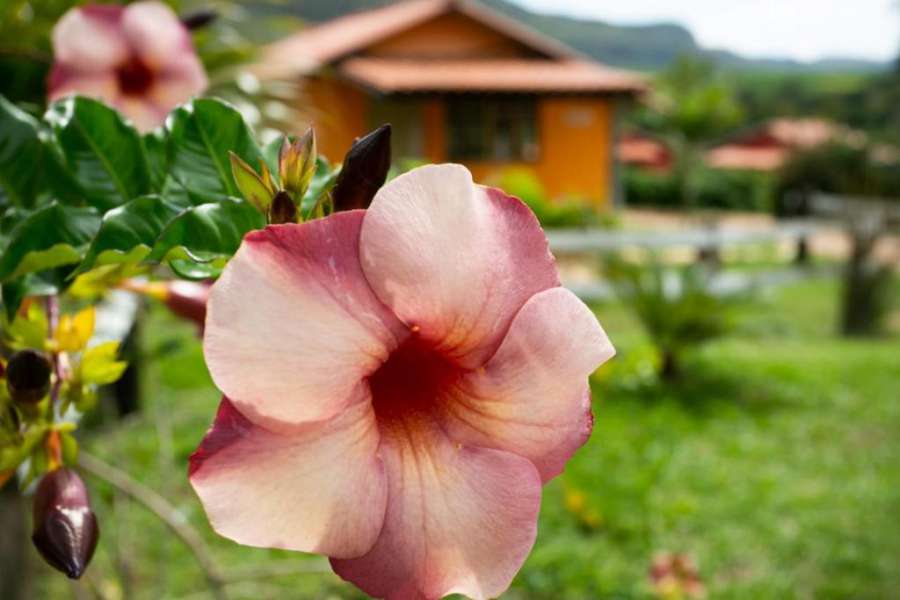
[[283, 209], [297, 164]]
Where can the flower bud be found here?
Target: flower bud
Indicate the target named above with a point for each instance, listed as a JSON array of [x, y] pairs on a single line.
[[283, 209], [198, 19], [365, 170], [297, 164], [187, 299], [28, 376], [65, 528]]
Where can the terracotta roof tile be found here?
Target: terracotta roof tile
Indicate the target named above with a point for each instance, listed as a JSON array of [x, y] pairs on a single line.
[[488, 75]]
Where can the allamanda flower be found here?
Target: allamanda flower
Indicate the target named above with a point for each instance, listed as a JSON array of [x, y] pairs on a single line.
[[399, 383], [137, 58]]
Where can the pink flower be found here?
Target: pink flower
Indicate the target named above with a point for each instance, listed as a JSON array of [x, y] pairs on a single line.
[[399, 383], [137, 58]]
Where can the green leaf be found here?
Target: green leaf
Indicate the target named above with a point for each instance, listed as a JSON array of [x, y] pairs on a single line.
[[201, 133], [99, 365], [69, 447], [22, 154], [205, 233], [104, 154], [45, 283], [322, 182], [127, 233], [156, 146], [12, 456], [51, 236], [250, 184]]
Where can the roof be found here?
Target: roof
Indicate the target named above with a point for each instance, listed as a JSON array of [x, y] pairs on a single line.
[[494, 75], [558, 67], [748, 158], [643, 150], [802, 133]]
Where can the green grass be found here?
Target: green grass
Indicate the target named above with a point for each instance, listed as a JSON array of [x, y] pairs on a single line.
[[774, 463]]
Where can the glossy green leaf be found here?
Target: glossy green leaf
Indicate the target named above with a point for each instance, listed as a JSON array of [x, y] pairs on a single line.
[[22, 153], [45, 283], [127, 233], [201, 134], [51, 236], [205, 233], [103, 153]]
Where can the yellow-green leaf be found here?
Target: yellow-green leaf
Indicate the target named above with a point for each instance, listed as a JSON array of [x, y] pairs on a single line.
[[99, 365]]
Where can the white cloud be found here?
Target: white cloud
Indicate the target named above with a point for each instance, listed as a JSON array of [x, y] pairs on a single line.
[[800, 29]]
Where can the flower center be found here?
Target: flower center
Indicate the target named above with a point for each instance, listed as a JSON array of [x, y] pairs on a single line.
[[135, 78], [412, 383]]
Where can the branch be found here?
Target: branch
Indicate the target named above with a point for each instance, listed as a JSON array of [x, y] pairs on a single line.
[[167, 513]]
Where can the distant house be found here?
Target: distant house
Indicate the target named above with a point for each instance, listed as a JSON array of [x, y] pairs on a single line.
[[768, 146], [460, 82], [645, 152]]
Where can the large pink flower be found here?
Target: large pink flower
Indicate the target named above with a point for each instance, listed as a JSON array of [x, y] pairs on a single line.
[[138, 58], [400, 382]]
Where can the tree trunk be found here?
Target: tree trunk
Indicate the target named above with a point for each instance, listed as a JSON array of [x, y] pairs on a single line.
[[669, 368]]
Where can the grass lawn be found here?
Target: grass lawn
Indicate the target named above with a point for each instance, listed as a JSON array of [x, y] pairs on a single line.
[[775, 464]]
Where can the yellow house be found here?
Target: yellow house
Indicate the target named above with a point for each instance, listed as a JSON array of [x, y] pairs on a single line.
[[462, 83]]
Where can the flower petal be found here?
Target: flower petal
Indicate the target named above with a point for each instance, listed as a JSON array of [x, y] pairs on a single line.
[[292, 326], [532, 397], [459, 519], [178, 84], [100, 85], [89, 38], [156, 34], [144, 113], [455, 259], [320, 489]]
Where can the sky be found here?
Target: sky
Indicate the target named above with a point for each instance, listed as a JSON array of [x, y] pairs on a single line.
[[798, 29]]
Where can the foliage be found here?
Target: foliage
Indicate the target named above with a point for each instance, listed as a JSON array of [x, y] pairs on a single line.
[[131, 201], [728, 190], [524, 185], [841, 168], [675, 304]]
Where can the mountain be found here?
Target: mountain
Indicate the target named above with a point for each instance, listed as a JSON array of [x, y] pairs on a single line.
[[642, 47]]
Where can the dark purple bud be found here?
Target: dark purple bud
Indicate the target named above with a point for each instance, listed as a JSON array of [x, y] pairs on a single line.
[[65, 528], [365, 170], [199, 19], [283, 209], [28, 376]]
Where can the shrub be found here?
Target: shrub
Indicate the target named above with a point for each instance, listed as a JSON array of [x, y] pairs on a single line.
[[675, 305], [727, 190], [570, 212]]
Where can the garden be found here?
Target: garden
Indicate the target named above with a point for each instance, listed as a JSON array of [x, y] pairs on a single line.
[[234, 367]]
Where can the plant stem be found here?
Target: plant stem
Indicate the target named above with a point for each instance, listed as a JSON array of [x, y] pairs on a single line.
[[167, 513]]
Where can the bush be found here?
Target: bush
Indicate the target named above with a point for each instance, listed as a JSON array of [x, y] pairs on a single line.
[[675, 305], [647, 188], [571, 212], [837, 168], [727, 190]]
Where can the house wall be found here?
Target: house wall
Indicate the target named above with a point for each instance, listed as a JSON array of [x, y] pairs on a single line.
[[576, 141], [575, 136], [338, 111]]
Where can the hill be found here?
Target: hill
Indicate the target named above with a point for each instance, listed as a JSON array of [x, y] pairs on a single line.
[[644, 47]]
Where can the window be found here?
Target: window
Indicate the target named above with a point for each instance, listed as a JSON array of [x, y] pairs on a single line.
[[492, 128]]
